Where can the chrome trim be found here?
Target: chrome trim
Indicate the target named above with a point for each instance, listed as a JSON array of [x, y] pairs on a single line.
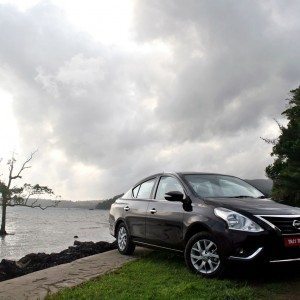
[[261, 217], [291, 234], [267, 222], [296, 226], [281, 216], [142, 243], [284, 260], [253, 255]]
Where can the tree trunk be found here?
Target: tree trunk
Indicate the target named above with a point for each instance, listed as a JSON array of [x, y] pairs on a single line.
[[3, 220]]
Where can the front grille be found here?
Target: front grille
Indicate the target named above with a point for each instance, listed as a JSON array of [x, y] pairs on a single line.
[[283, 223]]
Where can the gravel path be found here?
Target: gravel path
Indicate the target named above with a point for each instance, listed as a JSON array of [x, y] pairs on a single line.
[[38, 284]]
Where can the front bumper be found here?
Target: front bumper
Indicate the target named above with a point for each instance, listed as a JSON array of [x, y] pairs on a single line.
[[267, 246], [259, 253], [252, 256]]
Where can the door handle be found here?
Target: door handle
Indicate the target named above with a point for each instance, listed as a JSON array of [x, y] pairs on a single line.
[[153, 211], [126, 208]]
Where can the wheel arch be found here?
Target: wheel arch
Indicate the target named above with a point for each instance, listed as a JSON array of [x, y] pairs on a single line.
[[117, 224], [195, 228]]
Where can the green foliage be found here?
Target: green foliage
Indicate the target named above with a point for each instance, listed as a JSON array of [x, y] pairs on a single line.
[[106, 204], [12, 195], [4, 191], [18, 196], [163, 275], [285, 171]]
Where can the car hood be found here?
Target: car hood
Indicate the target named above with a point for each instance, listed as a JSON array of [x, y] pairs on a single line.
[[254, 206]]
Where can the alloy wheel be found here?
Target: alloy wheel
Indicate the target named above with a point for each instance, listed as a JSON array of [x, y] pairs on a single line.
[[204, 256], [122, 238]]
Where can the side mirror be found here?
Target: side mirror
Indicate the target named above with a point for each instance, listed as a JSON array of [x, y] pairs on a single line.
[[174, 196]]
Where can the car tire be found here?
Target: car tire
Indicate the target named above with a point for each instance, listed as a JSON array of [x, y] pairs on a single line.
[[124, 242], [203, 255]]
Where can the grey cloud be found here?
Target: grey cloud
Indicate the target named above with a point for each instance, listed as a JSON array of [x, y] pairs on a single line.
[[243, 50], [122, 114]]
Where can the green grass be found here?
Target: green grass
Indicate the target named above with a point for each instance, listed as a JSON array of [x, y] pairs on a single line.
[[163, 275]]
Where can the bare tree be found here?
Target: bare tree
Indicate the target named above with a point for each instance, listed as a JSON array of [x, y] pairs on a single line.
[[13, 195]]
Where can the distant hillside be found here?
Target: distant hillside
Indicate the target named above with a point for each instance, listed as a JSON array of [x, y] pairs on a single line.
[[90, 204], [264, 185], [106, 204]]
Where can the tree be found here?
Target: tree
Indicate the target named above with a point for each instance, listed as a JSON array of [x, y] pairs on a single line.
[[106, 204], [13, 195], [285, 170]]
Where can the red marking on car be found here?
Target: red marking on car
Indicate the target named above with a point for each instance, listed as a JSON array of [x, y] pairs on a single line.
[[292, 241]]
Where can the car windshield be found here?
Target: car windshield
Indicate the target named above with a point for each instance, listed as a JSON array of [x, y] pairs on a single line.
[[221, 186]]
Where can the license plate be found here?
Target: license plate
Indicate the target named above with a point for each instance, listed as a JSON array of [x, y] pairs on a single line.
[[292, 241]]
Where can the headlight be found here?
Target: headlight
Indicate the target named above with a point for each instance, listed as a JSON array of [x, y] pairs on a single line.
[[237, 221]]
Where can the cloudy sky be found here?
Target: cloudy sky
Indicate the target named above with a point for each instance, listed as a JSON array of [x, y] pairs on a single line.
[[112, 91]]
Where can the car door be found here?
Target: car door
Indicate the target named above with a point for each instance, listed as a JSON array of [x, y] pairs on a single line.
[[164, 218], [135, 209]]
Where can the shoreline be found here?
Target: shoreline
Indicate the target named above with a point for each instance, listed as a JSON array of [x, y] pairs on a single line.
[[52, 230], [33, 262]]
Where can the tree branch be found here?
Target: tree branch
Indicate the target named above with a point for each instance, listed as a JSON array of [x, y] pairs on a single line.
[[270, 141], [11, 168], [36, 206], [24, 166], [280, 126]]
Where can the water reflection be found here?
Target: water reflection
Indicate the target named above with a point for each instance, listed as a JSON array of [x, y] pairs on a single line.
[[51, 230]]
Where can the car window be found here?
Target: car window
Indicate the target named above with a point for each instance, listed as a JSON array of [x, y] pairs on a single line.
[[135, 191], [231, 189], [205, 188], [167, 184], [127, 195], [145, 189], [221, 186]]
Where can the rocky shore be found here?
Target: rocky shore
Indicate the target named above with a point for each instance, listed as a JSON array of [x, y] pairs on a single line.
[[37, 261]]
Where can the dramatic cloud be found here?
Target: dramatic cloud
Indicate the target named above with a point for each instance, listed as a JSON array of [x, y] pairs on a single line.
[[196, 88], [232, 61]]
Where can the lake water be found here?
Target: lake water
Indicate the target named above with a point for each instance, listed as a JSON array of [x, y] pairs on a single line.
[[51, 230]]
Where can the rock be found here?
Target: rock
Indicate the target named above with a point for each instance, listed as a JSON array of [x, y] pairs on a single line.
[[22, 265], [9, 269], [75, 236], [37, 261]]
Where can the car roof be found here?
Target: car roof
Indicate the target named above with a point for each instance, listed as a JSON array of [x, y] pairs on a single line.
[[200, 173], [178, 174]]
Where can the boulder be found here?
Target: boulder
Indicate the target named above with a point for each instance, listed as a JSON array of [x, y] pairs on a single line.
[[9, 269]]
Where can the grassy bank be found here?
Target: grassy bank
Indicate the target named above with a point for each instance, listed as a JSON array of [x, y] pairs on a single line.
[[163, 275]]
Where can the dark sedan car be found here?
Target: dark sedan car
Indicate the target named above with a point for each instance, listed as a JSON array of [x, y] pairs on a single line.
[[212, 218]]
